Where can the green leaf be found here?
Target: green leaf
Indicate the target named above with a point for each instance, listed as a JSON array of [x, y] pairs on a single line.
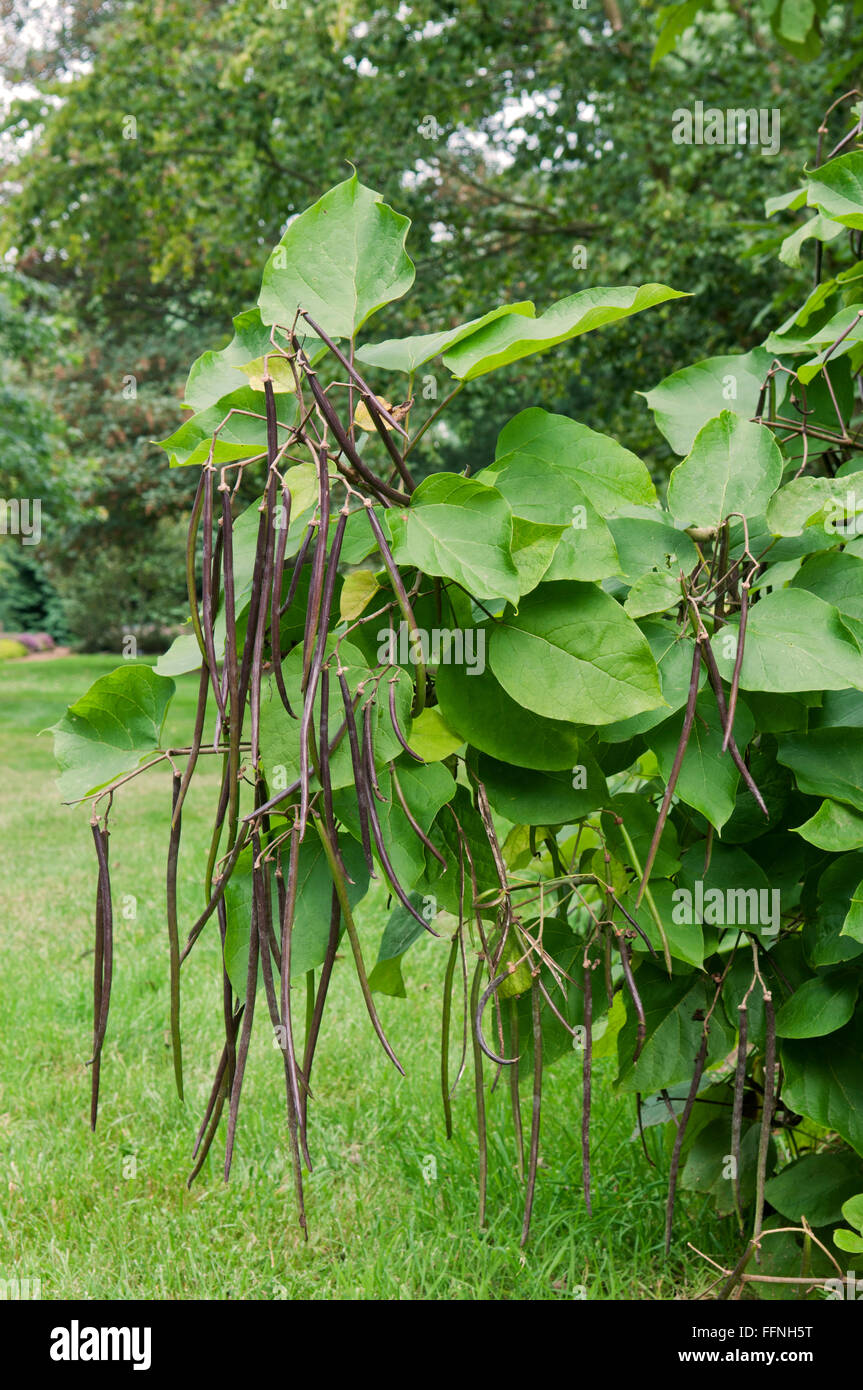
[[408, 354], [849, 1241], [311, 928], [804, 502], [837, 578], [673, 654], [834, 827], [852, 1211], [685, 939], [654, 592], [426, 789], [215, 375], [826, 938], [458, 529], [837, 189], [820, 1006], [815, 1186], [826, 762], [853, 924], [673, 1011], [683, 403], [734, 466], [111, 730], [651, 542], [536, 444], [674, 20], [708, 778], [478, 708], [639, 818], [525, 797], [401, 931], [241, 421], [572, 653], [785, 202], [432, 737], [824, 1080], [280, 734], [340, 261], [794, 641], [513, 337], [818, 227], [796, 18]]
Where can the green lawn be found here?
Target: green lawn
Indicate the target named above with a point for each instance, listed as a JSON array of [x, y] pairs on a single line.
[[107, 1215]]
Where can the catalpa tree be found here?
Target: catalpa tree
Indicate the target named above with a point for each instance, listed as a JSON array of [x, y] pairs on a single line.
[[607, 747]]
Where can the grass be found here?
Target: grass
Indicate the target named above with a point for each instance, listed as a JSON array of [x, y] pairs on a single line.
[[108, 1215]]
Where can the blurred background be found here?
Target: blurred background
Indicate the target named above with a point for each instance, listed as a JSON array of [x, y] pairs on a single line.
[[152, 153]]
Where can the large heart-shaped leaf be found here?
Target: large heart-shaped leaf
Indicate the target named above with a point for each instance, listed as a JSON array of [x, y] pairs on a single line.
[[111, 729], [217, 374], [511, 338], [794, 641], [340, 260], [572, 653], [708, 779], [611, 477], [837, 189], [240, 419], [478, 707], [407, 354], [820, 1006], [527, 797], [683, 403], [824, 1080], [734, 466], [458, 529], [826, 762]]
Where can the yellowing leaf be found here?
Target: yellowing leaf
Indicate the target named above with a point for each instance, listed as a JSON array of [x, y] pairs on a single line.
[[275, 366], [363, 418], [302, 483], [357, 591], [432, 737]]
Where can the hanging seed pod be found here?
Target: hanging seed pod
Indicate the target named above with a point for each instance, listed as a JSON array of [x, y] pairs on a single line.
[[207, 604], [287, 903], [275, 606], [314, 669], [412, 822], [174, 933], [533, 1158], [403, 602], [363, 797], [681, 1134], [479, 1097], [104, 960], [298, 568], [245, 1037], [383, 855], [737, 1107], [314, 1020], [587, 1084], [395, 723]]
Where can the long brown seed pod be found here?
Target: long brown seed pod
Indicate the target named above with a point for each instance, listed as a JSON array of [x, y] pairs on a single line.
[[586, 1083], [402, 600], [314, 670], [737, 1108], [767, 1108], [382, 490], [359, 770], [738, 663], [105, 958], [264, 910], [314, 1022], [288, 900], [217, 893], [341, 889], [479, 1095], [411, 820], [682, 744], [716, 683], [191, 582], [98, 972], [369, 752], [232, 670], [477, 1022], [446, 1015], [218, 1096], [245, 1036], [316, 587], [383, 855], [276, 603], [533, 1158], [681, 1134], [299, 562], [174, 934], [634, 995], [396, 726], [208, 614], [514, 1094], [380, 415]]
